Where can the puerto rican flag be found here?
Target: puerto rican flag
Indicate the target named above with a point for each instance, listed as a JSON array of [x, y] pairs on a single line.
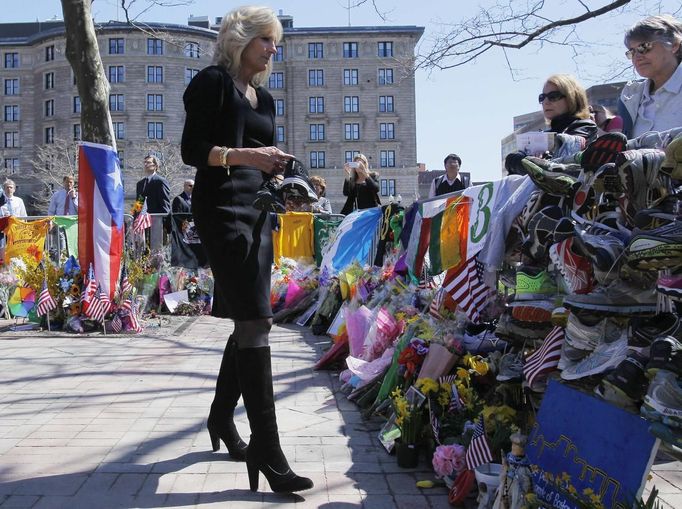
[[100, 213]]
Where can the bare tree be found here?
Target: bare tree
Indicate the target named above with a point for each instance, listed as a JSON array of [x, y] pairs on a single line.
[[171, 167], [52, 162]]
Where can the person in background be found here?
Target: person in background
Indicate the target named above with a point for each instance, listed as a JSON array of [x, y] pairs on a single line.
[[182, 203], [606, 120], [450, 181], [14, 206], [361, 189], [153, 188], [229, 136], [64, 202], [323, 204], [655, 103]]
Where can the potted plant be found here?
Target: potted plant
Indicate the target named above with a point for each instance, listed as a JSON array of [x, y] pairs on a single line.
[[408, 412]]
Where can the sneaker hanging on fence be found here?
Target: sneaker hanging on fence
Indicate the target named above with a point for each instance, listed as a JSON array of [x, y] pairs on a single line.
[[618, 298], [575, 269], [606, 356], [269, 197], [672, 165], [663, 401], [603, 150], [297, 183]]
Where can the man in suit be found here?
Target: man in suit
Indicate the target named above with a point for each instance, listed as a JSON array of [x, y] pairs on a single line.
[[154, 189], [182, 203]]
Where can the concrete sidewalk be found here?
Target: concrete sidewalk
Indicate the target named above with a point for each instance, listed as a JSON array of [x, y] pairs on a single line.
[[119, 422]]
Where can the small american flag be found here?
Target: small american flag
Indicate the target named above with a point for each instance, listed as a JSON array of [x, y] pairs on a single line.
[[466, 287], [435, 424], [437, 304], [99, 306], [142, 222], [46, 302], [88, 290], [125, 283], [129, 309], [478, 451], [116, 324], [546, 358]]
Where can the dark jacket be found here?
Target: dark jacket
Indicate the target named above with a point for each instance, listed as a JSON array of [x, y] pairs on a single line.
[[182, 204], [570, 124], [360, 196], [155, 190]]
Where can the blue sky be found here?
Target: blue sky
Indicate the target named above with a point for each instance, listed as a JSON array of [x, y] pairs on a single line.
[[466, 110]]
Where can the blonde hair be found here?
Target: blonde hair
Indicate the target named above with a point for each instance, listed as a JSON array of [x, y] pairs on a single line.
[[576, 97], [238, 29], [319, 181]]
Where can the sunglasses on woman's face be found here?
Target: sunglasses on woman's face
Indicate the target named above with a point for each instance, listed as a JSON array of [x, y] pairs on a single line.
[[641, 49], [551, 96]]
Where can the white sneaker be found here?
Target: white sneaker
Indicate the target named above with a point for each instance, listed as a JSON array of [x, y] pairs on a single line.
[[605, 356]]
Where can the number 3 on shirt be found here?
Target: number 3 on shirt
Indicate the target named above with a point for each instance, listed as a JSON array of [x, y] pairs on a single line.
[[477, 230]]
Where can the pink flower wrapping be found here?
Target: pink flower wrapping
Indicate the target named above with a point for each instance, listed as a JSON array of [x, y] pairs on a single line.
[[448, 459]]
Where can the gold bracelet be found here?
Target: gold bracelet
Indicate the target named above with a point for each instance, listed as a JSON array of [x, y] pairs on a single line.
[[224, 154]]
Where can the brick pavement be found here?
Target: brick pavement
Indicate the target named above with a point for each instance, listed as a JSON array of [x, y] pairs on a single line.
[[105, 422]]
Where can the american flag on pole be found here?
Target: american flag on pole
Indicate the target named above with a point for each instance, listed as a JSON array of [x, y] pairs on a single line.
[[125, 283], [46, 302], [100, 212], [129, 310], [466, 287], [437, 304], [142, 222], [478, 451], [99, 306], [89, 290], [116, 324], [546, 358]]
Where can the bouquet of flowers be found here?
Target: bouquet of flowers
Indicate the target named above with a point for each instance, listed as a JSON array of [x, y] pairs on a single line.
[[408, 414]]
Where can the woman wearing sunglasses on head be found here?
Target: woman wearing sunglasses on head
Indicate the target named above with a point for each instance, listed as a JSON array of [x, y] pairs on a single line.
[[655, 103]]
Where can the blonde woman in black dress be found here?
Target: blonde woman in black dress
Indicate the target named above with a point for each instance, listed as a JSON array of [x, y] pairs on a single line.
[[229, 136]]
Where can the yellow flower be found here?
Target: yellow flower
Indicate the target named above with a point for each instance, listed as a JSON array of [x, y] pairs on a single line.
[[588, 492], [571, 489], [427, 385], [463, 375], [565, 476]]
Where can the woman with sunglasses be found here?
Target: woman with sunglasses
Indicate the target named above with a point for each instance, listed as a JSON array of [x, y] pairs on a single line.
[[567, 111], [655, 103]]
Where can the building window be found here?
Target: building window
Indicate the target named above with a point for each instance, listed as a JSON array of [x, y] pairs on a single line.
[[387, 131], [349, 155], [385, 49], [116, 46], [49, 53], [49, 135], [11, 139], [11, 60], [351, 131], [154, 102], [154, 74], [155, 130], [116, 102], [119, 130], [49, 108], [154, 46], [121, 159], [351, 104], [12, 86], [315, 77], [315, 50], [385, 76], [279, 56], [12, 165], [189, 74], [386, 103], [387, 187], [279, 107], [317, 159], [315, 104], [49, 80], [77, 104], [76, 132], [387, 158], [117, 74], [350, 50], [192, 49], [316, 132], [350, 76], [280, 134], [11, 113], [276, 80]]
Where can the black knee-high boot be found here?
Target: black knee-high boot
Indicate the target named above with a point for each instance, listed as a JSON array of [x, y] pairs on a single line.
[[221, 418], [264, 453]]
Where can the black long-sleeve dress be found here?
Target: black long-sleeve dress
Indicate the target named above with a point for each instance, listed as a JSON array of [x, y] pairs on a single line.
[[237, 238], [361, 195]]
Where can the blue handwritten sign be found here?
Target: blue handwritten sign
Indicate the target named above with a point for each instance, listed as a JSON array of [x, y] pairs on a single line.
[[582, 443]]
